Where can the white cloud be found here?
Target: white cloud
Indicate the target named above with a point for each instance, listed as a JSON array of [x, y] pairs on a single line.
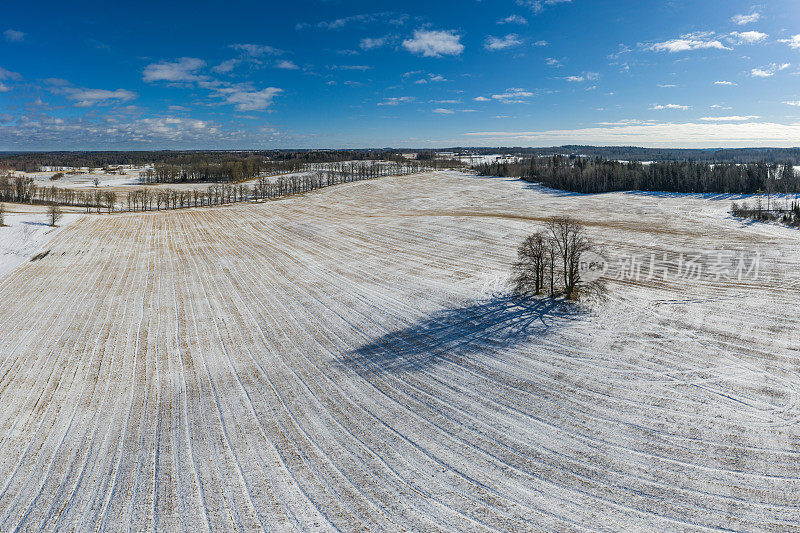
[[741, 20], [540, 43], [482, 99], [795, 103], [652, 134], [226, 66], [723, 82], [443, 111], [369, 43], [501, 43], [575, 78], [553, 62], [747, 37], [434, 43], [182, 70], [257, 50], [91, 97], [769, 70], [8, 75], [246, 99], [286, 65], [687, 42], [513, 96], [4, 88], [14, 36], [659, 107], [537, 6], [733, 118], [590, 76], [397, 100], [513, 19], [793, 41]]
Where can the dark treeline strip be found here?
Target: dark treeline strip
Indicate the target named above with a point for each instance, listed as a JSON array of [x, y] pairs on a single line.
[[633, 153], [585, 175], [224, 162]]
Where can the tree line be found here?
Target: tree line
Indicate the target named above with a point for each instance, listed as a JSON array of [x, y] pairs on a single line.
[[584, 175]]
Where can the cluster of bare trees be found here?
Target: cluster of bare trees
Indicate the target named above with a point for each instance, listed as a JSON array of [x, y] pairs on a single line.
[[23, 190], [553, 260]]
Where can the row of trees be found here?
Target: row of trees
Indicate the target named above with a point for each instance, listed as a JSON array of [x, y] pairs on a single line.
[[601, 175], [146, 199], [553, 259], [23, 190]]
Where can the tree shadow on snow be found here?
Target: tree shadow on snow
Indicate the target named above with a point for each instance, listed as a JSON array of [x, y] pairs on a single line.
[[485, 326]]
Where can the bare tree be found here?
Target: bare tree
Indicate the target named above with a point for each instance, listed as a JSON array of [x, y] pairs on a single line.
[[530, 266], [2, 215], [570, 243], [54, 213]]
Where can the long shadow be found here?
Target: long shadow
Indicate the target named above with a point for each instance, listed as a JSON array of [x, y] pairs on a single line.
[[485, 326]]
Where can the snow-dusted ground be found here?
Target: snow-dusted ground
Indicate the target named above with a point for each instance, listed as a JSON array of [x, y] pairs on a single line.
[[24, 235], [345, 360]]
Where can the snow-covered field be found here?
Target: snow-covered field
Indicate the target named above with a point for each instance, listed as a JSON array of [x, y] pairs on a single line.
[[346, 360], [24, 234]]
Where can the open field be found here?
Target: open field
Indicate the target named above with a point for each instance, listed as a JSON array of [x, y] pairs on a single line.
[[345, 359]]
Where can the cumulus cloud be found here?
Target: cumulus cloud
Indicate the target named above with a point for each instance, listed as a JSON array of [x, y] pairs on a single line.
[[723, 82], [14, 36], [660, 107], [434, 43], [769, 70], [482, 99], [687, 42], [247, 99], [286, 65], [747, 37], [795, 103], [793, 41], [183, 70], [513, 19], [501, 43], [443, 111], [741, 20], [4, 88]]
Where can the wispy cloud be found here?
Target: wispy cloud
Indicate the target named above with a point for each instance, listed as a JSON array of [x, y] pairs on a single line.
[[537, 6], [725, 83], [257, 50], [397, 100], [434, 43], [183, 70], [8, 75], [513, 96], [741, 20], [747, 37], [769, 70], [285, 64], [733, 118], [370, 43], [513, 19], [502, 43], [660, 107], [245, 98], [14, 36], [793, 42]]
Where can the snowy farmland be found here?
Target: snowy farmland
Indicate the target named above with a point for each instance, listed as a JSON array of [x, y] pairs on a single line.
[[346, 359]]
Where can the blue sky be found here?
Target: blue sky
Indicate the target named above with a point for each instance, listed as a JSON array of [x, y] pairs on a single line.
[[336, 74]]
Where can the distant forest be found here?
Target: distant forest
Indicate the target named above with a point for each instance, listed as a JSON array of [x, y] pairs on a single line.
[[633, 153], [596, 175]]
